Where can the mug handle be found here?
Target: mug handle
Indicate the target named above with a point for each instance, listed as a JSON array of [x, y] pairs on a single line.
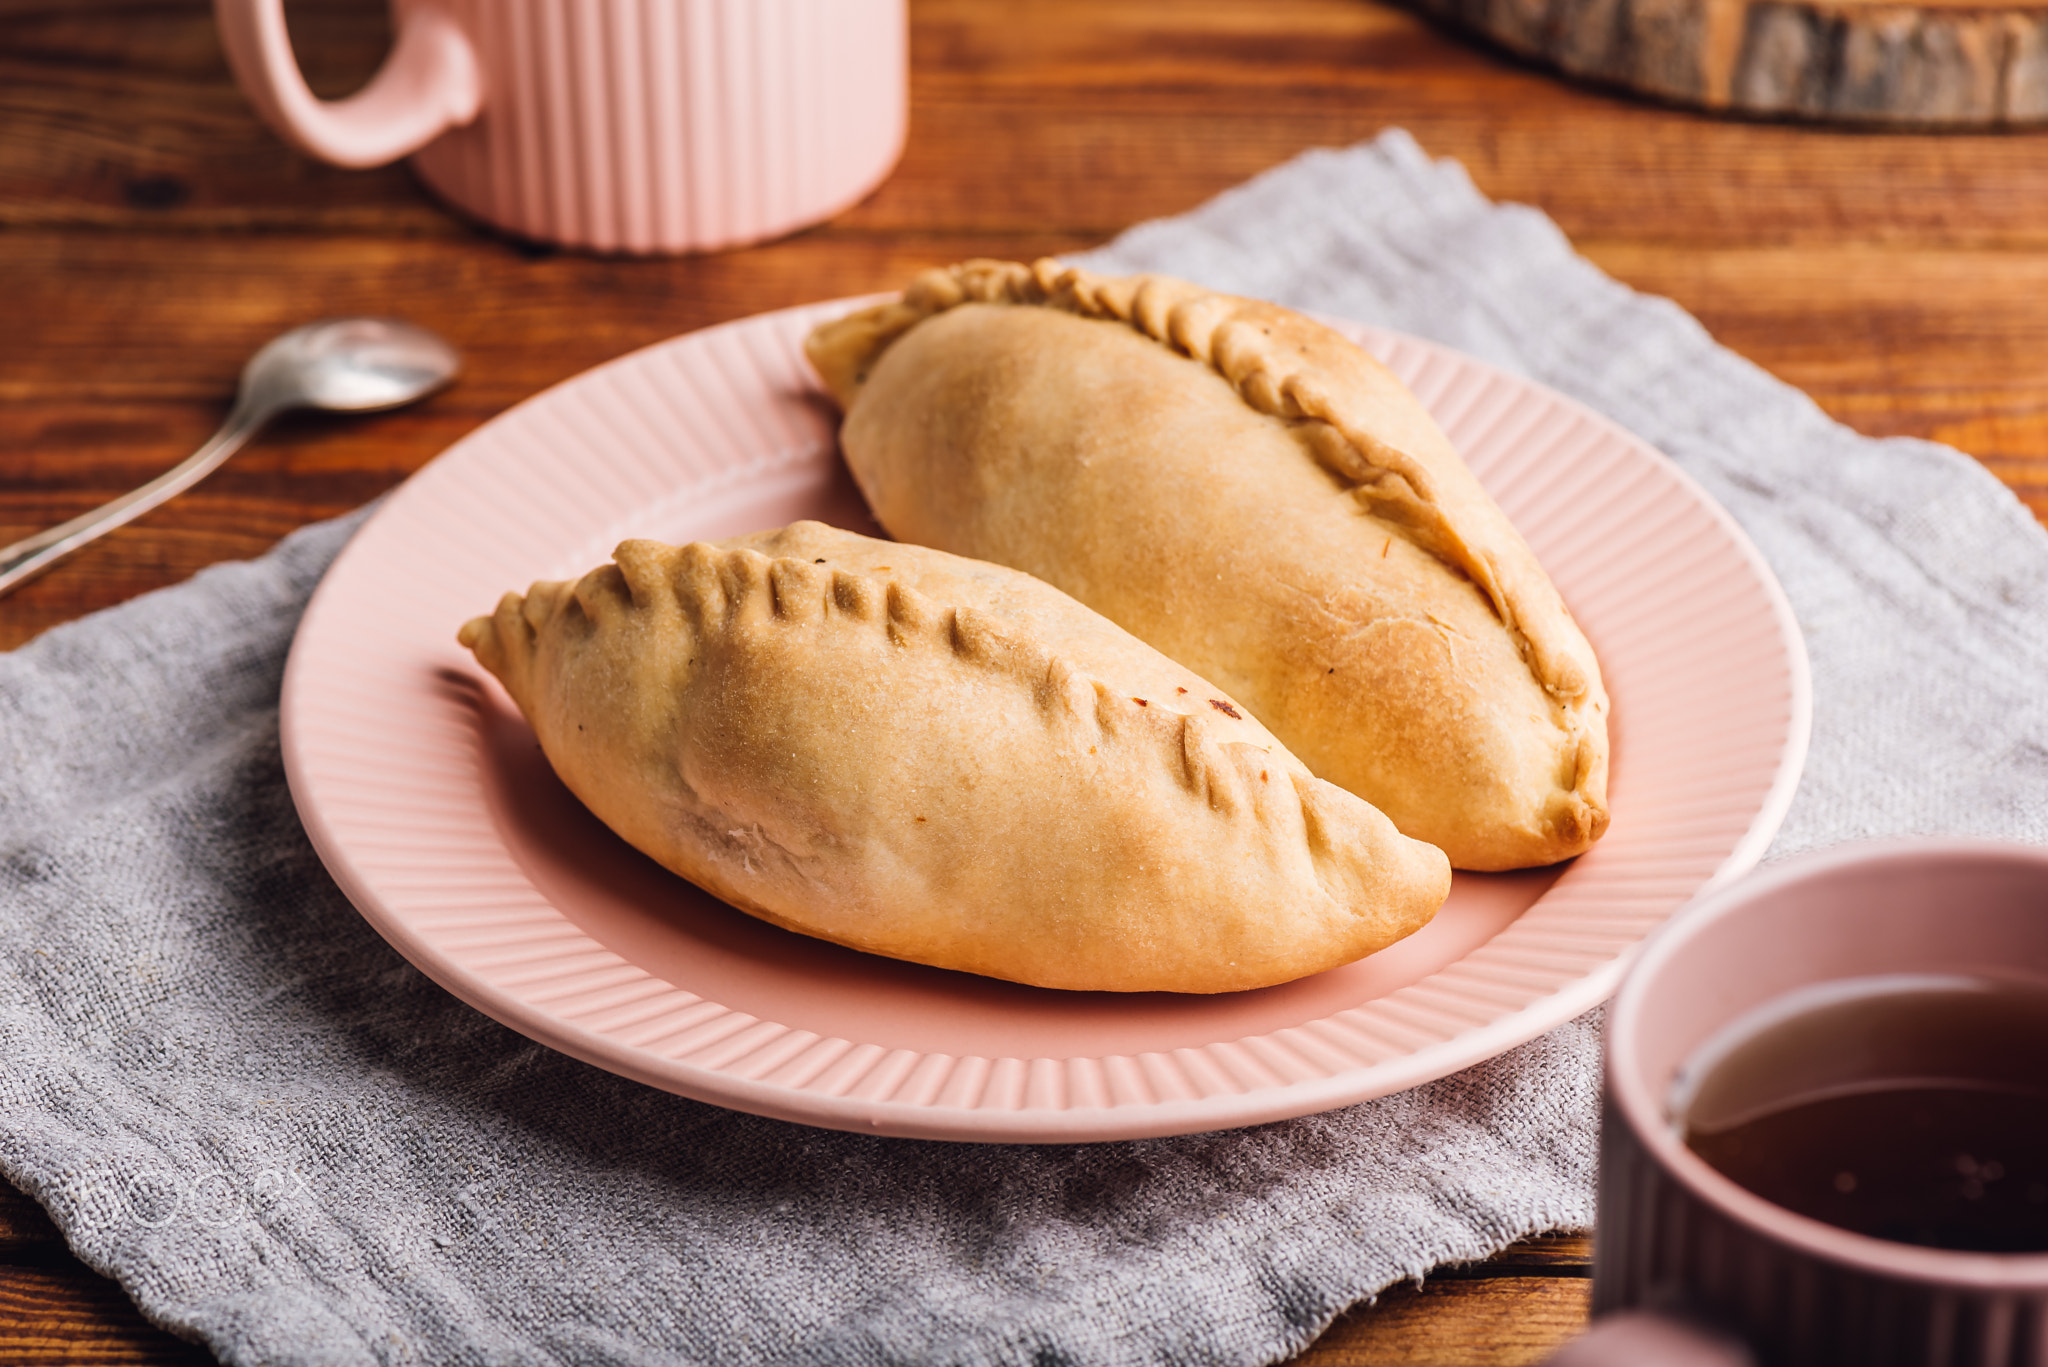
[[430, 83]]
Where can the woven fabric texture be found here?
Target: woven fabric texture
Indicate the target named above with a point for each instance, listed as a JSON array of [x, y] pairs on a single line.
[[288, 1144]]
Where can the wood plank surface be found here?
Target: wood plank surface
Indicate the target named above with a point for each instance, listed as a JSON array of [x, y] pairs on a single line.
[[71, 1315], [152, 234], [1500, 1321], [55, 1309]]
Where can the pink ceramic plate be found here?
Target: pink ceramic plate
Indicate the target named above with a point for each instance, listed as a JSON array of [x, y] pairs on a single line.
[[425, 793]]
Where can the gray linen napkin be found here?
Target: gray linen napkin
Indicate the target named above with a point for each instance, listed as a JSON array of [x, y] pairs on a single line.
[[287, 1143]]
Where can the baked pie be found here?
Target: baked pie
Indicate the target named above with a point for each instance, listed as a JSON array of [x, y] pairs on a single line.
[[1258, 498], [926, 757]]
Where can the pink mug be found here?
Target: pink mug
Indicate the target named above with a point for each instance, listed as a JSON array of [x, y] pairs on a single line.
[[638, 126], [1676, 1236]]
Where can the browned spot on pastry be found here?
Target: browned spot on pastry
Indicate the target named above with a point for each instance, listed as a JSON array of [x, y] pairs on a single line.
[[920, 818], [1180, 690], [1262, 777], [1388, 547], [1225, 708], [819, 561], [1141, 702]]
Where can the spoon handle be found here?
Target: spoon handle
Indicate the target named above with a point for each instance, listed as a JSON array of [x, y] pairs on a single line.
[[32, 555]]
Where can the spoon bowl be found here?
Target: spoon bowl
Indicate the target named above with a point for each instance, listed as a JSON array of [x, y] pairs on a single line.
[[349, 365]]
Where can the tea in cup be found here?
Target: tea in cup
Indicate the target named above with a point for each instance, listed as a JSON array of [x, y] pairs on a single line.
[[1826, 1112], [1906, 1106]]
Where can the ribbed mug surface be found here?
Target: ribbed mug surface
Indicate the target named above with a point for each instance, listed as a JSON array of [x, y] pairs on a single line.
[[1675, 1235], [672, 125]]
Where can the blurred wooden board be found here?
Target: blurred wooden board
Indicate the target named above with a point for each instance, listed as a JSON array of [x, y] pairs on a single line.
[[1928, 63]]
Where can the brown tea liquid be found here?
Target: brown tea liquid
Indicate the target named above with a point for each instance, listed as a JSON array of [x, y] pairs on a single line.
[[1907, 1108]]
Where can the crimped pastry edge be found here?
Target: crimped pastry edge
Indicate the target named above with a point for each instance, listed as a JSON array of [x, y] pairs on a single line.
[[505, 641]]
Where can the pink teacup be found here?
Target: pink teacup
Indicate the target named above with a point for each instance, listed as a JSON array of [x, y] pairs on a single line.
[[614, 125], [1675, 1235]]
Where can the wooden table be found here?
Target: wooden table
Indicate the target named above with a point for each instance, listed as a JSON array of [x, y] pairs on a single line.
[[152, 234]]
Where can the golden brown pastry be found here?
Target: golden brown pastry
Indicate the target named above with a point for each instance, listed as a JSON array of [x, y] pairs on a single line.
[[945, 761], [1257, 498]]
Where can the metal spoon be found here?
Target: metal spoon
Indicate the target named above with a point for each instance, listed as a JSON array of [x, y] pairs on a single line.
[[343, 365]]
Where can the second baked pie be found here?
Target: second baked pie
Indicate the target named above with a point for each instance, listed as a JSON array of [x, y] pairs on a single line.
[[1259, 499]]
